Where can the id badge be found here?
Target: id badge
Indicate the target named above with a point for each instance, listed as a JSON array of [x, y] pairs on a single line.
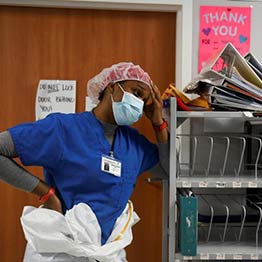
[[111, 165]]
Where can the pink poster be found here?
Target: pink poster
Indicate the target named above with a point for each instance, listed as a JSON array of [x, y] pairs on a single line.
[[220, 25]]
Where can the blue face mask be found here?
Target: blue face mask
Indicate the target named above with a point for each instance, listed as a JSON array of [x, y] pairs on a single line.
[[129, 110]]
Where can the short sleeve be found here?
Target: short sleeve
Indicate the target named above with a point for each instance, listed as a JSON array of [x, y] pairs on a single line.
[[150, 154], [39, 143]]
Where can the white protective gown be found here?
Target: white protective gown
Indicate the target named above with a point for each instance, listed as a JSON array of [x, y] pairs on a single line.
[[75, 236]]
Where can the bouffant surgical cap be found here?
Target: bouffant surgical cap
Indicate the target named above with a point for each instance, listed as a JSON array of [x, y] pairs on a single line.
[[116, 73]]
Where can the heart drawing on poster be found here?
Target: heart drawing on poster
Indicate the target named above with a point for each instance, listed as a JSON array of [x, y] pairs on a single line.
[[206, 31], [242, 39]]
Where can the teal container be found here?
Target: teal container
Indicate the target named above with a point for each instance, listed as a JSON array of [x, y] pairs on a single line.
[[188, 207]]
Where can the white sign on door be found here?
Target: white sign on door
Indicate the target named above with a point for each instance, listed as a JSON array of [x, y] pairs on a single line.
[[55, 96]]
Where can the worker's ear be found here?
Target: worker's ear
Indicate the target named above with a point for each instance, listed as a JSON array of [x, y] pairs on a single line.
[[111, 88], [107, 92]]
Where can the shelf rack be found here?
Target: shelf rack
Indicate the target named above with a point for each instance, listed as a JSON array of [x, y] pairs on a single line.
[[224, 251], [211, 250]]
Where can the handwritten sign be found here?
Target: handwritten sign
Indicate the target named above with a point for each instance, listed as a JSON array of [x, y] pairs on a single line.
[[55, 96], [220, 25]]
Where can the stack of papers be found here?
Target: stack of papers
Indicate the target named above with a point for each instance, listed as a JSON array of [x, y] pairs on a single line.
[[234, 82]]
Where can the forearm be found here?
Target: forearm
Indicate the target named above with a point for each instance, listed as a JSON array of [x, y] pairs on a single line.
[[154, 112], [162, 136], [41, 188], [10, 171], [163, 150], [161, 170], [16, 176]]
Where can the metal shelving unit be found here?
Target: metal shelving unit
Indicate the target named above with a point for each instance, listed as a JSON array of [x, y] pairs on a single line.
[[228, 250], [205, 179]]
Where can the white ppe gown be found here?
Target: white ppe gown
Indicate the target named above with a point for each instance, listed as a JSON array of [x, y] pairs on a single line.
[[75, 236]]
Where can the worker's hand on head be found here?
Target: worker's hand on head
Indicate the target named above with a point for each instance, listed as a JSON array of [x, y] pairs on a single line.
[[53, 203], [153, 111]]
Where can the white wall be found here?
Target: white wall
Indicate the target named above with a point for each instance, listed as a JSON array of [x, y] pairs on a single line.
[[256, 26]]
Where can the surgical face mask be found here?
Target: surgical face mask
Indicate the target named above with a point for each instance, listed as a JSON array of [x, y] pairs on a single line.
[[129, 110]]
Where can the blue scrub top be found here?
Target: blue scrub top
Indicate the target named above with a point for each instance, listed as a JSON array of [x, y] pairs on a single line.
[[70, 149]]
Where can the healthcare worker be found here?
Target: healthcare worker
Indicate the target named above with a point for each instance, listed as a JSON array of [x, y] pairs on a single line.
[[91, 161]]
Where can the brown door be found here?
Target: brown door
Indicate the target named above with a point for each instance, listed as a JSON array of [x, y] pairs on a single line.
[[44, 43]]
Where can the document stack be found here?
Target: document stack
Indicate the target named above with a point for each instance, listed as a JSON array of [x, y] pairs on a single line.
[[230, 81]]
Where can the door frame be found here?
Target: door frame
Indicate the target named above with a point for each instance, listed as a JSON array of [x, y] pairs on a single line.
[[183, 71]]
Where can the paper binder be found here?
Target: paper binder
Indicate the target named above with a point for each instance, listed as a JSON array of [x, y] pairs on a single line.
[[188, 224]]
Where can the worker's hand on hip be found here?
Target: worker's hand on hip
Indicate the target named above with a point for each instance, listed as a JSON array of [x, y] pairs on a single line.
[[53, 203], [153, 111]]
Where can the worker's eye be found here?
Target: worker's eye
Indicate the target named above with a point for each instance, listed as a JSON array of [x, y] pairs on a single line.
[[136, 93]]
